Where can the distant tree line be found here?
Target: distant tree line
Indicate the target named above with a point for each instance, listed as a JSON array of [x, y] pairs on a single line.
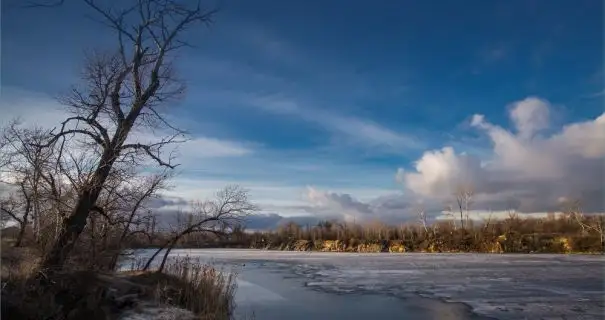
[[571, 232]]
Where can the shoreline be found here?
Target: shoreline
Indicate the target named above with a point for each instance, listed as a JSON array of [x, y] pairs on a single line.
[[378, 252]]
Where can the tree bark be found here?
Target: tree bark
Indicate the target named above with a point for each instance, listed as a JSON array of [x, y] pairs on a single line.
[[148, 264], [73, 226], [168, 246], [21, 234], [165, 257]]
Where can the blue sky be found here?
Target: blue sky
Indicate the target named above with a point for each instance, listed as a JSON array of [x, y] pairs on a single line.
[[337, 95]]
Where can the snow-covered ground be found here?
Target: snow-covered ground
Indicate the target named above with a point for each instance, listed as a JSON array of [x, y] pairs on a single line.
[[500, 286]]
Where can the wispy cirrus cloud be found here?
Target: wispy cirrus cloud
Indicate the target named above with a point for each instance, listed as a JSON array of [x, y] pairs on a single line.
[[295, 83], [494, 53], [361, 131]]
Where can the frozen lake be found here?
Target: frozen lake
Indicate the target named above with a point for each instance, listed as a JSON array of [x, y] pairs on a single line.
[[302, 285]]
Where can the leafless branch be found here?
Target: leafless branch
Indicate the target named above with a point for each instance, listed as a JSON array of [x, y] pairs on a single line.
[[121, 93], [216, 216]]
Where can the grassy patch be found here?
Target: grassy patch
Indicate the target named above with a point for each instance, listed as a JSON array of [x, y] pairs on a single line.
[[202, 289]]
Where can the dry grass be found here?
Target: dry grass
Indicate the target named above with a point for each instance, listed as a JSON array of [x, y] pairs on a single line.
[[202, 289], [17, 263]]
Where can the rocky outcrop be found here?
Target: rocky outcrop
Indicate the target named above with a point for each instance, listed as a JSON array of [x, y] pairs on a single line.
[[396, 246], [353, 245]]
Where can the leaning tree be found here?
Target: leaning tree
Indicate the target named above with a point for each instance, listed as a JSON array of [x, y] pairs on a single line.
[[123, 92]]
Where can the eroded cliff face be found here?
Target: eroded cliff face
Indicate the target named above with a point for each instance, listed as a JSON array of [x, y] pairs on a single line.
[[353, 245]]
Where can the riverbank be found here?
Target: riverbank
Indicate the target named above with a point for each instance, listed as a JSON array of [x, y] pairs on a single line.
[[553, 245], [184, 289], [567, 233]]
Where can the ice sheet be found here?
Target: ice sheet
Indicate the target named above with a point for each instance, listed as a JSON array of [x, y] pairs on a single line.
[[500, 286]]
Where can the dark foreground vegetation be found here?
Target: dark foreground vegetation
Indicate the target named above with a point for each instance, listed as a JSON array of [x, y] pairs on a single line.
[[198, 291]]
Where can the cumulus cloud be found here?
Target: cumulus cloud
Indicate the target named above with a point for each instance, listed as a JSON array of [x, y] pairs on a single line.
[[530, 116], [528, 171], [438, 171]]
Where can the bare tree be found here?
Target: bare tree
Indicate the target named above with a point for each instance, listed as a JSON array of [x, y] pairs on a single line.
[[448, 211], [217, 216], [422, 218], [18, 208], [573, 210], [143, 192], [487, 222], [123, 92], [5, 143], [23, 172], [464, 199]]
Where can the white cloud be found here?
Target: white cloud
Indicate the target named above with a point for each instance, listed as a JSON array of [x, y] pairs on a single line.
[[524, 169], [203, 147], [439, 171], [530, 116]]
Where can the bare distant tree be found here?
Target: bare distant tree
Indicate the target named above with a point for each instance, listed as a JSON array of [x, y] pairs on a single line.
[[448, 211], [216, 216], [23, 172], [573, 210], [18, 209], [122, 93], [5, 153], [487, 222], [144, 191], [464, 199], [422, 218]]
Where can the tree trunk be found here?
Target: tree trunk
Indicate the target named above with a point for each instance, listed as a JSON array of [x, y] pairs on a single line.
[[148, 264], [21, 234], [73, 226], [71, 229], [93, 244], [168, 246], [165, 257]]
